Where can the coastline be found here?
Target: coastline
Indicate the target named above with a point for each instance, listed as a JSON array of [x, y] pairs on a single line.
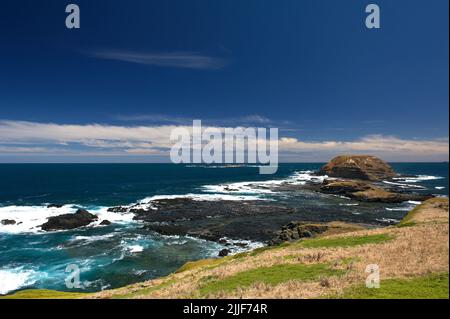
[[158, 234], [412, 256]]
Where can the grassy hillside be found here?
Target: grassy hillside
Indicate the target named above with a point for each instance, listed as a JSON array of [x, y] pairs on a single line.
[[413, 258]]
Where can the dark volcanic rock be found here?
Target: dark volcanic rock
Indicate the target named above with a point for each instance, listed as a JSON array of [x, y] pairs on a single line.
[[366, 192], [118, 209], [298, 230], [214, 220], [105, 222], [364, 167], [344, 187], [224, 252], [69, 221], [8, 222], [54, 206]]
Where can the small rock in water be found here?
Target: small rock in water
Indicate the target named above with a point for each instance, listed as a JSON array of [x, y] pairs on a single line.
[[69, 221], [105, 222], [54, 206], [8, 222], [224, 252]]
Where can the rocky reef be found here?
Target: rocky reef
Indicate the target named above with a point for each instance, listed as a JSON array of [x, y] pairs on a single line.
[[272, 222], [212, 220], [367, 192]]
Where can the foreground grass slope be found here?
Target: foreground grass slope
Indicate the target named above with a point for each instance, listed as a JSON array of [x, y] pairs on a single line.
[[413, 258]]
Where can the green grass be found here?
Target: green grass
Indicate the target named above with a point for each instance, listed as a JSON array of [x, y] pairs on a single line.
[[345, 241], [44, 294], [269, 275], [202, 263], [408, 219], [406, 224], [429, 287]]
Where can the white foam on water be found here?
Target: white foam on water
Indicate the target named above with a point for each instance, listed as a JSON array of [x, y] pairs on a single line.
[[197, 197], [113, 217], [440, 187], [135, 248], [29, 218], [243, 187], [92, 238], [405, 186], [308, 176], [399, 209], [355, 204], [405, 206], [387, 220], [417, 178], [15, 278], [264, 187]]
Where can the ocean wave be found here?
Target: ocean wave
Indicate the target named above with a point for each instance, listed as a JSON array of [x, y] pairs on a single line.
[[92, 238], [405, 186], [417, 178], [308, 176], [148, 201], [264, 187], [387, 220], [15, 278], [242, 187], [398, 209], [405, 206], [404, 181], [28, 219]]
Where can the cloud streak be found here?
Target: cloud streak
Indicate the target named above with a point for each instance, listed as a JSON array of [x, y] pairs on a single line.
[[186, 60], [32, 138], [247, 120]]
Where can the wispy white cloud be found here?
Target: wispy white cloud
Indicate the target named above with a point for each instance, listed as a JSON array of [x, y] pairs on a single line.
[[388, 147], [188, 60], [28, 138], [168, 119]]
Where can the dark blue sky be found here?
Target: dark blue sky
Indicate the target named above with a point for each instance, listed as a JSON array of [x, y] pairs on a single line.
[[309, 67]]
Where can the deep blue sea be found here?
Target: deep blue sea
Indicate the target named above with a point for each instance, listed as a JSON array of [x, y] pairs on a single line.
[[124, 253]]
